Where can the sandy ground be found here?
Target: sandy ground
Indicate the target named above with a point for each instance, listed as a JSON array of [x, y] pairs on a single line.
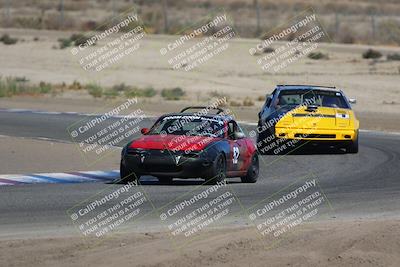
[[234, 72], [335, 243]]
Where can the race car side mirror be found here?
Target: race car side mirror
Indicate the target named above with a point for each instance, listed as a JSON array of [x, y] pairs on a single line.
[[238, 135], [353, 101], [145, 131]]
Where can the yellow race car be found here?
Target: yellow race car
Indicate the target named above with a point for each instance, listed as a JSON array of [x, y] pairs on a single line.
[[299, 114]]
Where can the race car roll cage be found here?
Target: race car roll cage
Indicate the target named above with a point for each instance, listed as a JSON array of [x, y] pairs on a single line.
[[220, 110], [230, 133]]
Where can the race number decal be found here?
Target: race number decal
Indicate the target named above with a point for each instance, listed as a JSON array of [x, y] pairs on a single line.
[[236, 154]]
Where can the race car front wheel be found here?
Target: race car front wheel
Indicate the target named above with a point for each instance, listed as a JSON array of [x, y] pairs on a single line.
[[127, 175], [252, 171], [218, 172]]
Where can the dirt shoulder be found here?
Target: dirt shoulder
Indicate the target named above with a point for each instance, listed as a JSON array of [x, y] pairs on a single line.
[[335, 243]]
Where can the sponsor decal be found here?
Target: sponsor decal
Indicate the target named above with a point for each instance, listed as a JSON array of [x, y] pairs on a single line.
[[177, 158], [236, 154]]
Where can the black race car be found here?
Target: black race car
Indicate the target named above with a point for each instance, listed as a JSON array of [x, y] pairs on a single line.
[[191, 145]]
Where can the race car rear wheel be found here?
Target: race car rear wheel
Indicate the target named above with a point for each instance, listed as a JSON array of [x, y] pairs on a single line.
[[252, 171], [353, 147], [127, 175], [165, 180], [218, 172]]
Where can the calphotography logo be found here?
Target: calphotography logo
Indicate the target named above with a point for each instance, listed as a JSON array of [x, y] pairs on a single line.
[[290, 42], [108, 47], [198, 210], [205, 40], [191, 134], [98, 135], [110, 209], [278, 215]]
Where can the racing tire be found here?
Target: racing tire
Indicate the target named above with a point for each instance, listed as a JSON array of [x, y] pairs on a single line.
[[253, 171], [165, 180], [218, 172], [127, 175], [353, 147]]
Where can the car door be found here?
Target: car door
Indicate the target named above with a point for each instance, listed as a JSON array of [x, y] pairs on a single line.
[[238, 148]]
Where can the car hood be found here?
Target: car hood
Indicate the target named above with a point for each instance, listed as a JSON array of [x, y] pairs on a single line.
[[322, 118], [173, 142]]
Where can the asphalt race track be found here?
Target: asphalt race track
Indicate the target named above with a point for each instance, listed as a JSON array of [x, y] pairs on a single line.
[[366, 184]]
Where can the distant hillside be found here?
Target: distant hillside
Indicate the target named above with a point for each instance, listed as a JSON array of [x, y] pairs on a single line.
[[356, 21]]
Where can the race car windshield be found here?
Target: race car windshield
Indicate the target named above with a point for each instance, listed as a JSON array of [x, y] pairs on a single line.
[[312, 97], [189, 125]]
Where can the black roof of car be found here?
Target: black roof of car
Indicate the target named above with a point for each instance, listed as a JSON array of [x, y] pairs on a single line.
[[306, 87], [220, 114], [215, 116]]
